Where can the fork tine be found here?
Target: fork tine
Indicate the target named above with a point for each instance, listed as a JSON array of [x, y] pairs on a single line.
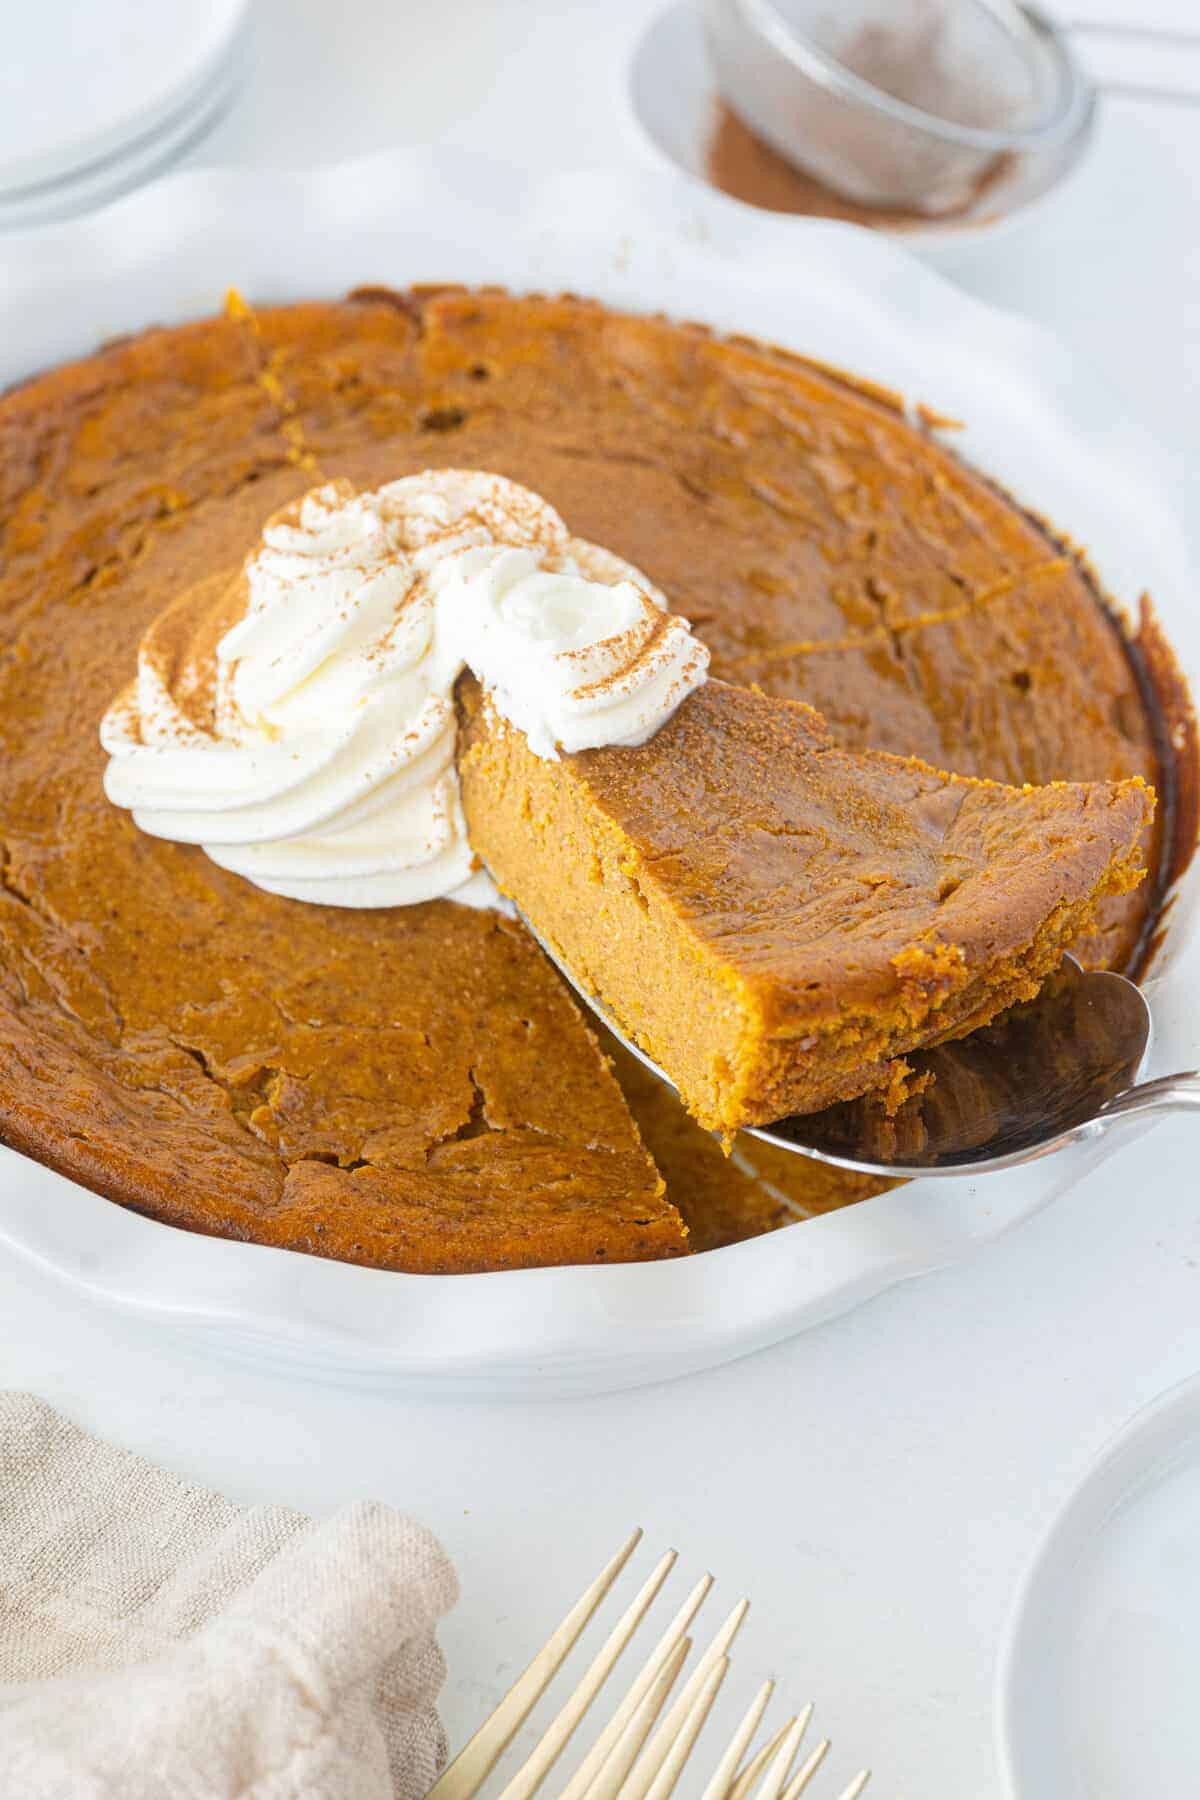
[[529, 1777], [754, 1768], [581, 1781], [623, 1754], [667, 1778], [805, 1774], [856, 1786], [659, 1747], [476, 1760], [718, 1787], [777, 1769]]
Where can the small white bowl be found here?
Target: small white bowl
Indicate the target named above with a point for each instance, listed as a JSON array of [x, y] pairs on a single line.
[[673, 104]]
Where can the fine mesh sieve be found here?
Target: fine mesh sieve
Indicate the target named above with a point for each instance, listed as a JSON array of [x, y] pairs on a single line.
[[900, 103]]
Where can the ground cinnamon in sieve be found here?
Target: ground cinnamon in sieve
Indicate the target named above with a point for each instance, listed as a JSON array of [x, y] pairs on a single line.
[[741, 165]]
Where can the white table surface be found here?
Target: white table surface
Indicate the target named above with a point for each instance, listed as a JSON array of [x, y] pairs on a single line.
[[877, 1485]]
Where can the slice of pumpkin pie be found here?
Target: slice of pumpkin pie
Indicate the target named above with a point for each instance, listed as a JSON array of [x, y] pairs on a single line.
[[774, 919]]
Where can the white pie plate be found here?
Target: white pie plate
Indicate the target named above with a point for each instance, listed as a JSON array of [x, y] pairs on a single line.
[[1038, 420], [1096, 1691]]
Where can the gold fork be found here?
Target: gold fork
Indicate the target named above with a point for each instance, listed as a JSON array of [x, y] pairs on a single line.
[[638, 1755]]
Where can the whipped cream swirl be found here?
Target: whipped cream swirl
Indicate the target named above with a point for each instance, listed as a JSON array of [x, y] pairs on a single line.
[[297, 719]]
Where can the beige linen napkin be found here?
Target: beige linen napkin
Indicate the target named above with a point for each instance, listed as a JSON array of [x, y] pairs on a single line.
[[157, 1641]]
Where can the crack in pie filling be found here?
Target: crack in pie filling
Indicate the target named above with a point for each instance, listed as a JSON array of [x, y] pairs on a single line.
[[412, 1086]]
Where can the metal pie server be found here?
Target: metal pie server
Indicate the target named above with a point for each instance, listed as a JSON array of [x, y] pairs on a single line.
[[1057, 1070]]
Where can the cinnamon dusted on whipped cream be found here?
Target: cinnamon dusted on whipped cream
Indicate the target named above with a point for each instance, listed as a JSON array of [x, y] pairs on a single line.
[[296, 719]]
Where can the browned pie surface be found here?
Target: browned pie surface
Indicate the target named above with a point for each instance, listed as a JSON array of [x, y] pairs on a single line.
[[414, 1088]]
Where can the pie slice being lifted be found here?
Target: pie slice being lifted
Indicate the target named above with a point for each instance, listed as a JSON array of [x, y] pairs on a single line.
[[776, 920]]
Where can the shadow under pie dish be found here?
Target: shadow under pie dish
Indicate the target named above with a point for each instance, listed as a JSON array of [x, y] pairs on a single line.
[[415, 1088]]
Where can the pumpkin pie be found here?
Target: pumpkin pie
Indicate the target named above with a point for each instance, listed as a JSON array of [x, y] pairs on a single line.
[[416, 1088], [776, 920]]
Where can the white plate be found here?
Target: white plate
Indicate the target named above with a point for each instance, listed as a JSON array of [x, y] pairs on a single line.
[[1041, 422], [1097, 1695], [95, 99]]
